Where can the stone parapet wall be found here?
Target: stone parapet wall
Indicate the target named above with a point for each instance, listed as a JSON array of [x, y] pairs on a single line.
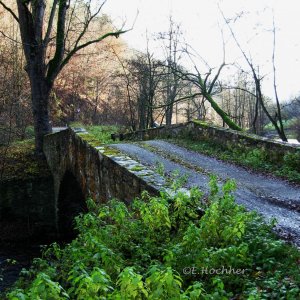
[[227, 138], [101, 172], [176, 130]]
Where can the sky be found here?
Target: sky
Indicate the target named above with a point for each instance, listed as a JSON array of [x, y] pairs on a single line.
[[202, 23]]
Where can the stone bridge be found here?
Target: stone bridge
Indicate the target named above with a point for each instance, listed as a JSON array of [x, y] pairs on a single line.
[[83, 168]]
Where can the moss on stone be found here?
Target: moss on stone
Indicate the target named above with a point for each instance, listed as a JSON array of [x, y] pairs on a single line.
[[89, 138], [111, 152], [202, 123], [94, 142], [137, 168]]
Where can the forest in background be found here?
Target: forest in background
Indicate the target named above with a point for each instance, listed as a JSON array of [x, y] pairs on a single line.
[[109, 83]]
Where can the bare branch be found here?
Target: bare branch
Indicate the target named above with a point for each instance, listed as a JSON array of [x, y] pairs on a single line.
[[10, 11], [238, 88], [257, 80], [236, 40], [71, 15], [50, 23], [87, 23], [75, 50], [11, 39], [207, 76], [178, 100], [127, 89], [215, 78], [274, 79]]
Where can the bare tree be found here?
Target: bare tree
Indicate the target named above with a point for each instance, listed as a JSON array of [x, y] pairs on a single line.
[[239, 101], [126, 76], [172, 59], [43, 65], [207, 86], [278, 115], [147, 72], [258, 79], [14, 92]]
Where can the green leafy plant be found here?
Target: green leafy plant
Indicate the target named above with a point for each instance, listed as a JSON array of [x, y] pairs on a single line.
[[167, 247], [160, 168], [131, 285], [292, 160], [255, 157], [102, 133]]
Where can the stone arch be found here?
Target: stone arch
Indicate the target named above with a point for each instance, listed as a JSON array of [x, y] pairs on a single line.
[[71, 202]]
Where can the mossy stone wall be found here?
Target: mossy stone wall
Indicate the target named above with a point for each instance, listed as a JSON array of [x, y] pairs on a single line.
[[230, 139], [101, 172]]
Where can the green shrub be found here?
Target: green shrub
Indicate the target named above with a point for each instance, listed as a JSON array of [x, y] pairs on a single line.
[[165, 248], [29, 132], [255, 157], [102, 133], [292, 160]]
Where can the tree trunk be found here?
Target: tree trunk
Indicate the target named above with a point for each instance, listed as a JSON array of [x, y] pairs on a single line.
[[222, 113], [169, 114], [40, 92], [142, 113]]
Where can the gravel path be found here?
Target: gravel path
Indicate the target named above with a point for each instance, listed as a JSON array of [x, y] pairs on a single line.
[[274, 190], [270, 197]]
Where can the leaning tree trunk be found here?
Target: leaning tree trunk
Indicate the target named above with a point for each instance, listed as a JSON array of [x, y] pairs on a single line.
[[40, 92], [221, 113]]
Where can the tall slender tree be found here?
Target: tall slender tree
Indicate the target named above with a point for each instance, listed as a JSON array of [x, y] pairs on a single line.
[[275, 119], [171, 40]]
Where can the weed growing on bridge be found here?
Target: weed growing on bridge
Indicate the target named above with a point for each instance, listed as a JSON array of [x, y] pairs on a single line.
[[167, 247], [101, 133], [174, 180]]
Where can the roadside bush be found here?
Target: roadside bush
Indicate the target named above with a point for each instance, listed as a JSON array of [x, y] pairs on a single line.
[[255, 157], [292, 160], [167, 247]]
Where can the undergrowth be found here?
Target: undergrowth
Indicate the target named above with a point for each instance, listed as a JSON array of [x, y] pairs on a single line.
[[100, 132], [256, 159], [18, 161], [166, 247]]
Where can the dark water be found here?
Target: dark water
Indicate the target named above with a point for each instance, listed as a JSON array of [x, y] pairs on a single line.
[[12, 259]]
